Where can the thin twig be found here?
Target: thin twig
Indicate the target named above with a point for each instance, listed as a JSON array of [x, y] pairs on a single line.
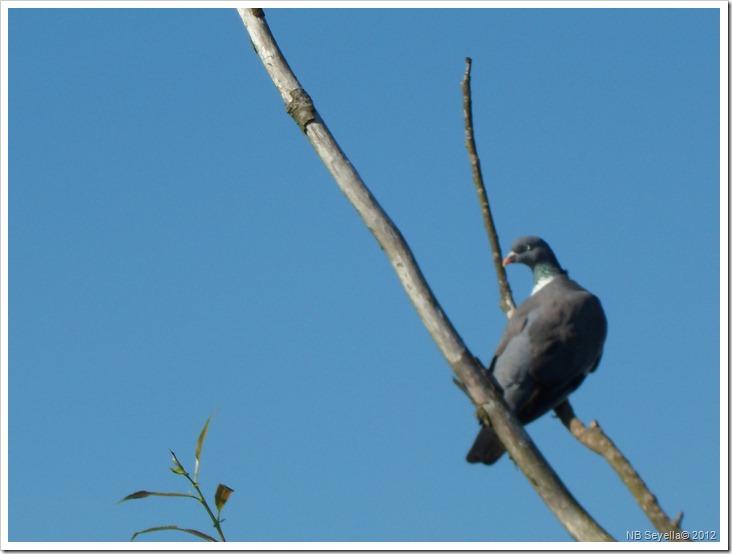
[[504, 289], [467, 368], [596, 440]]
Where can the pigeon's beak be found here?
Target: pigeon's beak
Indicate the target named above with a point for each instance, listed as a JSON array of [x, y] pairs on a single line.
[[509, 259]]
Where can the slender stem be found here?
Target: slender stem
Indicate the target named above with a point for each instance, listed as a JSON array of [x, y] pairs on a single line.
[[216, 522], [201, 498]]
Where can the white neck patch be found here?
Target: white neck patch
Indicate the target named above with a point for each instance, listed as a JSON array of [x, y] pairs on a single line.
[[542, 282]]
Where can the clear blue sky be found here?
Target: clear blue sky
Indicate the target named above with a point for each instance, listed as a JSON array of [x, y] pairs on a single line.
[[177, 250]]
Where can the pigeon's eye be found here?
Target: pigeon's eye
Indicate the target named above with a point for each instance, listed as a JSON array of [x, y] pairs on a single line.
[[528, 247]]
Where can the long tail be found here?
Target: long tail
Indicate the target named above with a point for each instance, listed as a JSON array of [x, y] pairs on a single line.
[[487, 447]]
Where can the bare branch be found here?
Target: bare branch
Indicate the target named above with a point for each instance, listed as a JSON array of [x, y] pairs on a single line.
[[596, 440], [504, 289], [467, 368]]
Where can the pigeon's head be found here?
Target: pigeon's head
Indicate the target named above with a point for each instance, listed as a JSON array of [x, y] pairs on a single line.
[[531, 251]]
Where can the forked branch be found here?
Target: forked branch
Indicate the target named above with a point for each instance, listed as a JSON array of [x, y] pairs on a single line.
[[467, 368]]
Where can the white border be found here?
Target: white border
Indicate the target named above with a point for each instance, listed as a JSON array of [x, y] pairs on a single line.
[[724, 281], [718, 4], [4, 274], [724, 275]]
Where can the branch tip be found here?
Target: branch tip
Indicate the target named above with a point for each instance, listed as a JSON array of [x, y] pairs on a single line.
[[506, 299]]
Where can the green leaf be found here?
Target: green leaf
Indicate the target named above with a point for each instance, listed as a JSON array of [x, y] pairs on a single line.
[[136, 495], [199, 445], [177, 466], [222, 495], [200, 535], [144, 494]]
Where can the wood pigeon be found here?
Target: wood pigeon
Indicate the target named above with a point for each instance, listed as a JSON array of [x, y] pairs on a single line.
[[552, 341]]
